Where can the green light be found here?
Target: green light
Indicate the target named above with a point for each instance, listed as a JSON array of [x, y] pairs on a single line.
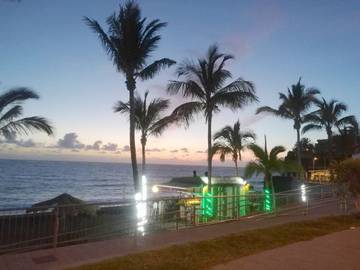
[[207, 203], [242, 201], [267, 200]]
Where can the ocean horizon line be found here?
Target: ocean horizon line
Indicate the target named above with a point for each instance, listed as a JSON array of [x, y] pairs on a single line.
[[121, 163]]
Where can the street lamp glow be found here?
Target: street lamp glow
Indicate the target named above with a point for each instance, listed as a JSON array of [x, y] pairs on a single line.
[[303, 193], [155, 189]]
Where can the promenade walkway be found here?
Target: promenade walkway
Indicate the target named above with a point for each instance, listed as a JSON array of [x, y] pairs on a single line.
[[340, 250], [75, 255]]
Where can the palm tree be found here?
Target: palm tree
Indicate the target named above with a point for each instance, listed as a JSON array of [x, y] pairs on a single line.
[[204, 82], [148, 119], [129, 43], [11, 110], [266, 163], [329, 116], [231, 140], [295, 104]]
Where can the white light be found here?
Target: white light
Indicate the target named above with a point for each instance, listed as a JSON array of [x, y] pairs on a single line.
[[155, 189], [137, 196], [140, 199], [205, 179], [303, 193], [143, 184], [240, 181]]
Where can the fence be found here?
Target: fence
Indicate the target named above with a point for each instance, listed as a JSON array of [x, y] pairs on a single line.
[[21, 230]]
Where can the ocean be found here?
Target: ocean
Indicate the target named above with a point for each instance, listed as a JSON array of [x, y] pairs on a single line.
[[25, 182]]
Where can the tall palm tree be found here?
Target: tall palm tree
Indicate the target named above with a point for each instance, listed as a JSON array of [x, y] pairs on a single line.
[[294, 106], [329, 116], [129, 42], [231, 140], [204, 82], [148, 119], [11, 110]]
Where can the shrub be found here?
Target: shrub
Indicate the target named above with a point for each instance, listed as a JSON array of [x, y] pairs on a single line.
[[348, 175]]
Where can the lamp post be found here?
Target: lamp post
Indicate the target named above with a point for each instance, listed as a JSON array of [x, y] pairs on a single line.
[[314, 159]]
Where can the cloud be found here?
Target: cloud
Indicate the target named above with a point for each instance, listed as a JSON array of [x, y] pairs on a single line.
[[27, 143], [201, 152], [112, 147], [154, 150], [184, 149], [11, 139], [95, 146], [125, 148], [174, 151], [70, 141]]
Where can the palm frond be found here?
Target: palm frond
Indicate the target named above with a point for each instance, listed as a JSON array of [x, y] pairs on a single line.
[[121, 107], [28, 124], [18, 94], [225, 133], [253, 168], [267, 109], [11, 114], [221, 149], [234, 95], [347, 120], [275, 151], [106, 42], [185, 112], [259, 153], [187, 88], [159, 126], [309, 127], [249, 135], [154, 109], [151, 70]]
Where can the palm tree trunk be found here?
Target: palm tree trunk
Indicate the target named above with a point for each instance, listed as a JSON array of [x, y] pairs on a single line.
[[143, 145], [298, 147], [131, 85], [209, 151], [330, 145], [273, 194], [236, 168]]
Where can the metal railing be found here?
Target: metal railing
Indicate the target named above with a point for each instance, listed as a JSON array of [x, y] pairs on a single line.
[[43, 227]]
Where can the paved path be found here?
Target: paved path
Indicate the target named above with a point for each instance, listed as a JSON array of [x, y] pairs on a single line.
[[96, 251], [337, 251]]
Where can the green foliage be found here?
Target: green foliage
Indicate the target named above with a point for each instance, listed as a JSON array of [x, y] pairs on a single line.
[[348, 172], [268, 163]]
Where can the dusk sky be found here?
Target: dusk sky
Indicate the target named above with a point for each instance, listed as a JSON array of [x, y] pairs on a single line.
[[45, 45]]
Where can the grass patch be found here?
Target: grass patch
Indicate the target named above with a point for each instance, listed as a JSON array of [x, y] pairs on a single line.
[[204, 254]]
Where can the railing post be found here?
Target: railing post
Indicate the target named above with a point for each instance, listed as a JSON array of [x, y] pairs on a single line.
[[177, 219], [56, 227]]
